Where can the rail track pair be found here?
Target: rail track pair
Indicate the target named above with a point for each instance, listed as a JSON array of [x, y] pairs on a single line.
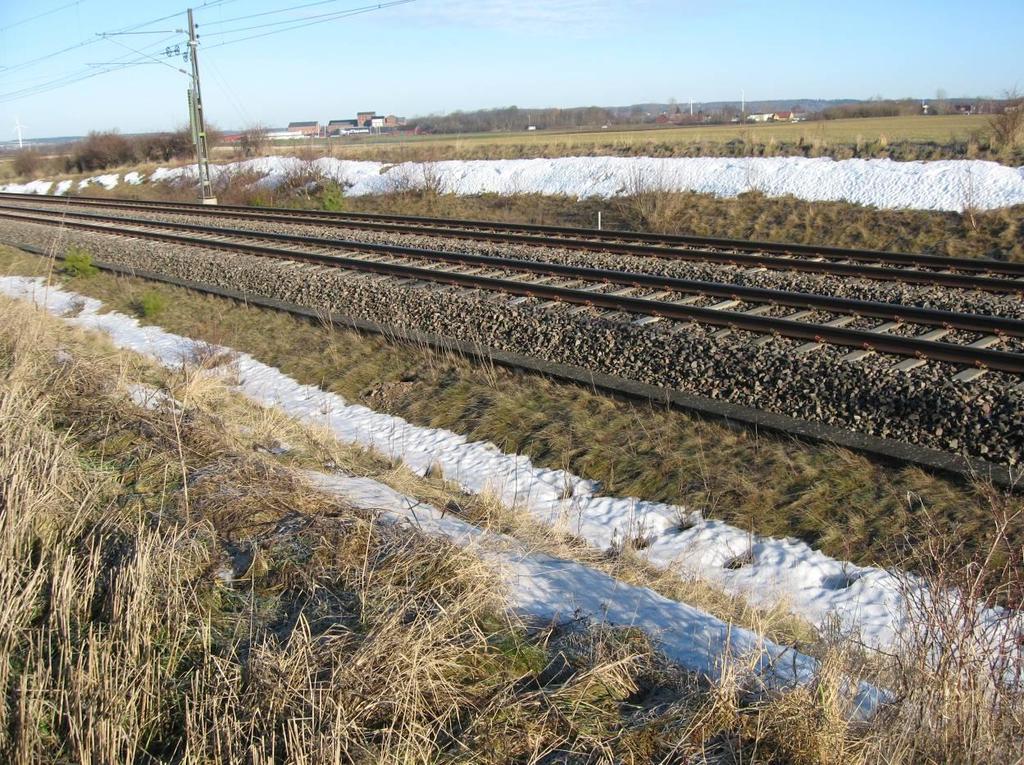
[[814, 318]]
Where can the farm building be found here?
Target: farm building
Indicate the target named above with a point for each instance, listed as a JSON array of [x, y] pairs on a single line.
[[340, 127], [379, 121], [305, 128]]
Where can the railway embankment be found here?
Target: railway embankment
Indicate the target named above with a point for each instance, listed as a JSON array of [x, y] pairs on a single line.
[[924, 406]]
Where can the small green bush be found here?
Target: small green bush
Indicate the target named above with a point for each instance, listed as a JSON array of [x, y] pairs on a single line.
[[78, 262], [332, 198], [150, 304]]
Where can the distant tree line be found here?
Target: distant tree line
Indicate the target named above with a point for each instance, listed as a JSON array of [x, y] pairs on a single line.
[[100, 150], [105, 149], [906, 107], [902, 108], [512, 118]]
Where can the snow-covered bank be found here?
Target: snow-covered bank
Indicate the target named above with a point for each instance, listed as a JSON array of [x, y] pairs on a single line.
[[866, 601], [950, 185]]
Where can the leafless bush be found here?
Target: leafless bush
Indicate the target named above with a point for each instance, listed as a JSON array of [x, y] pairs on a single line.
[[304, 180], [969, 207], [1007, 126], [163, 147], [648, 203], [417, 178], [98, 151], [958, 670], [234, 185], [27, 162], [253, 141]]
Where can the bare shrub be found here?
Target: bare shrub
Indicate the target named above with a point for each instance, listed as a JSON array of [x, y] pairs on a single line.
[[233, 185], [1007, 126], [98, 151], [163, 147], [647, 203], [969, 207], [253, 141], [423, 178], [27, 162], [433, 180], [304, 181], [958, 671]]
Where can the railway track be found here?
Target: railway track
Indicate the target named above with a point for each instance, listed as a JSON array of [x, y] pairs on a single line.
[[928, 270], [820, 320]]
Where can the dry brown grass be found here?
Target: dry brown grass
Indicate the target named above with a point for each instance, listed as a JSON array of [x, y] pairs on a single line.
[[226, 613], [171, 593], [898, 138]]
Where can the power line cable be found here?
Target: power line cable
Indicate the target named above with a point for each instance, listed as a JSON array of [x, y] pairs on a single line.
[[300, 23], [93, 40], [146, 55], [40, 15], [236, 102], [268, 13], [325, 16], [77, 76]]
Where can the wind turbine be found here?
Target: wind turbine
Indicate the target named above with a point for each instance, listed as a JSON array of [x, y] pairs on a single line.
[[17, 129]]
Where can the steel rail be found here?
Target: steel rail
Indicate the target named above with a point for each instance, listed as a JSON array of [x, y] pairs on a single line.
[[887, 311], [452, 226], [901, 346], [958, 273]]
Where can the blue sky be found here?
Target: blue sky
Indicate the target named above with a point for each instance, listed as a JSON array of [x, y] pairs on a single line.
[[433, 56]]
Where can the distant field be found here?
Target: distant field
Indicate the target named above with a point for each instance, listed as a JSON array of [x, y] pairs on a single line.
[[898, 138], [901, 138], [918, 129]]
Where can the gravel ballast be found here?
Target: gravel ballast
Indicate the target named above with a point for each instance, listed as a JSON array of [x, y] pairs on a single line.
[[983, 418], [958, 300]]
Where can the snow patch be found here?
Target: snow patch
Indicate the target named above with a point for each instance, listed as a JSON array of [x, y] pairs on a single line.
[[108, 181], [555, 589], [32, 187], [153, 399], [950, 185]]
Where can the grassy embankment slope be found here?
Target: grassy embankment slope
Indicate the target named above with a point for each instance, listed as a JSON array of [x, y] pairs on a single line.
[[172, 593]]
